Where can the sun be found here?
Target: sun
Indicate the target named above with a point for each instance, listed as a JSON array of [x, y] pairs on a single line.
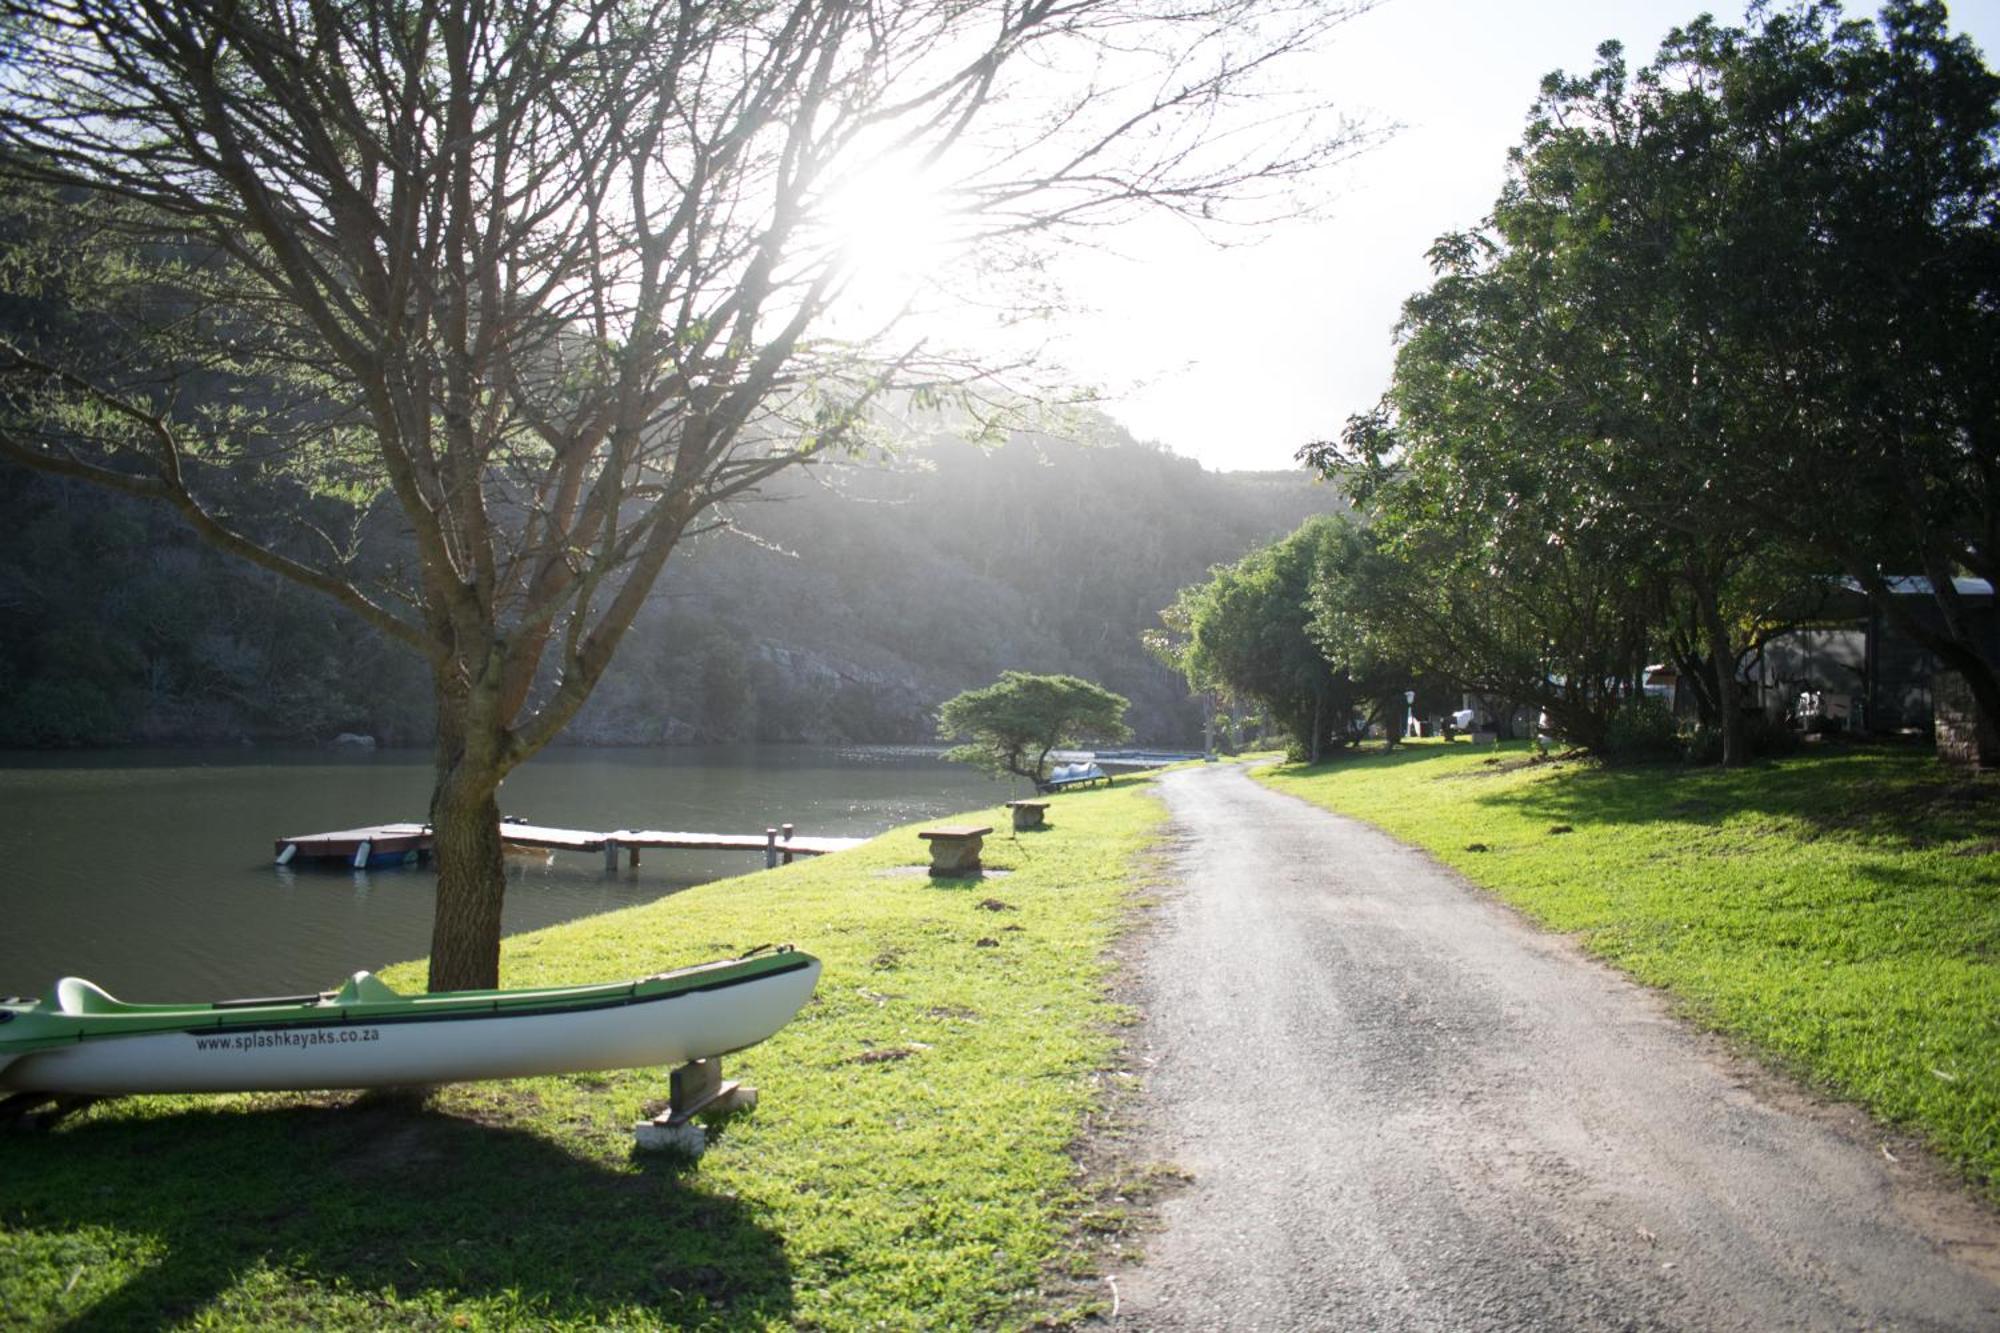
[[889, 225]]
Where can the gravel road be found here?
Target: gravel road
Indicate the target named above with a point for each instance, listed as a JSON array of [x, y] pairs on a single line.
[[1404, 1108]]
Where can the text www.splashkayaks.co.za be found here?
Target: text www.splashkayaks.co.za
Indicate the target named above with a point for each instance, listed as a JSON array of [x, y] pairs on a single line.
[[251, 1041]]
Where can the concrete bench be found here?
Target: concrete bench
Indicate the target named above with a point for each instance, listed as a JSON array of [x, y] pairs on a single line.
[[955, 847], [1028, 814]]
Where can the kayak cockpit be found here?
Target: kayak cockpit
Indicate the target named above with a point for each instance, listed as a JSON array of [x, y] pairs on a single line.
[[361, 988], [74, 997], [366, 988], [83, 999]]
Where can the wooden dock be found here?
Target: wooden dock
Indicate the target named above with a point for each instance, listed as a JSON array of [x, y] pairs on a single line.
[[381, 845]]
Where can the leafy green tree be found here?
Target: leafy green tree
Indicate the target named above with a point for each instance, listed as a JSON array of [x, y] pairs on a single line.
[[1171, 644], [546, 281], [1731, 316], [1249, 631], [1502, 560], [1011, 725], [1862, 273], [1540, 381], [1487, 571]]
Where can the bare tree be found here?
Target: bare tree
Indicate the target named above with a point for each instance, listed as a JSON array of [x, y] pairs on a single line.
[[549, 279]]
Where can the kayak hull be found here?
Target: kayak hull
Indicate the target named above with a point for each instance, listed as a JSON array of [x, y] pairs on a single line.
[[382, 1046]]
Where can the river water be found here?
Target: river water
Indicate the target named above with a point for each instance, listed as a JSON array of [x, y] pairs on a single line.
[[151, 873]]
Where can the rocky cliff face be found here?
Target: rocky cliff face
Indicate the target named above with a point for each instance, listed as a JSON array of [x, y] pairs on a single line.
[[785, 693]]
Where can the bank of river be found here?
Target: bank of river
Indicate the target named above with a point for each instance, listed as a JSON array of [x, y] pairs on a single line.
[[151, 874]]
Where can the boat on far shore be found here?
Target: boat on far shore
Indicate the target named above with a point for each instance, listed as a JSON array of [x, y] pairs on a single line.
[[79, 1040], [1125, 759]]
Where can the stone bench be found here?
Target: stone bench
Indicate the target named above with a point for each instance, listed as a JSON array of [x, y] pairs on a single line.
[[1028, 814], [955, 847]]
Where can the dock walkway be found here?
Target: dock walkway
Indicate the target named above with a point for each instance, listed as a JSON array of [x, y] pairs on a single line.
[[402, 844]]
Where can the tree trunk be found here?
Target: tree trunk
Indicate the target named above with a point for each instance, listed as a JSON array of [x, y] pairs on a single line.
[[1980, 679], [1693, 670], [1722, 662], [465, 833], [471, 883]]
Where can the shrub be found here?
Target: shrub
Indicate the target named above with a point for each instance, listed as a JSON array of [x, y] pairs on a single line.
[[1642, 731], [1764, 737], [1704, 745]]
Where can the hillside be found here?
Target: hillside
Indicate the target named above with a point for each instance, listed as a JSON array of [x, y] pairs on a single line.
[[843, 606]]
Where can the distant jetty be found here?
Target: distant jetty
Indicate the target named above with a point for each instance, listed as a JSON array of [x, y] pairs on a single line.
[[383, 845]]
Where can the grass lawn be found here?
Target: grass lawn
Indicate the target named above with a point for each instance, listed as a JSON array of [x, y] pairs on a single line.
[[909, 1165], [1839, 909]]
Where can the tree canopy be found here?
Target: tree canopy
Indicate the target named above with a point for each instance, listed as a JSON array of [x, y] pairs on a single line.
[[1251, 630], [546, 281], [1728, 331], [1011, 725]]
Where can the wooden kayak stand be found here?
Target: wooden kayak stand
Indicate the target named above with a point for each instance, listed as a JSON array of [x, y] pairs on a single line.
[[694, 1089]]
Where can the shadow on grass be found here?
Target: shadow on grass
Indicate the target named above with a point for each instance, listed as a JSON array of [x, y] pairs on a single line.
[[1896, 796], [384, 1196]]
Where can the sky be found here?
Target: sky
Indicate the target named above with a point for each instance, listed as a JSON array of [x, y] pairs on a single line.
[[1238, 357]]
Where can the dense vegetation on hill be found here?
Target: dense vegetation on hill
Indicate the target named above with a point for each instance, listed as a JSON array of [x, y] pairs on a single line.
[[845, 606]]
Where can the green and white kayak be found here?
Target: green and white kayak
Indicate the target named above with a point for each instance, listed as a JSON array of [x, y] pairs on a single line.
[[77, 1039]]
